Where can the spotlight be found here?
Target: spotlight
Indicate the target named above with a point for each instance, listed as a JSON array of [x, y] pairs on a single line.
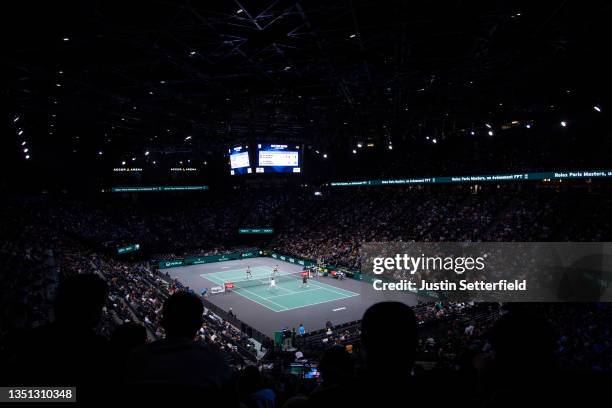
[[597, 108], [528, 126], [25, 150], [490, 133], [354, 151], [359, 145], [472, 133], [23, 143], [100, 153], [239, 11], [434, 141], [27, 157], [147, 153], [123, 163], [563, 123], [325, 155], [352, 36], [390, 147], [66, 39], [20, 133], [487, 125]]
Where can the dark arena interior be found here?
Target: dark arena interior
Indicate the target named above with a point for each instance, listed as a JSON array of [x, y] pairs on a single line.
[[208, 202]]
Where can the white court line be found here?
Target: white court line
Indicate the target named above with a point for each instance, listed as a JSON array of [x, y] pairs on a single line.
[[294, 293], [255, 294], [318, 303], [238, 272], [338, 292]]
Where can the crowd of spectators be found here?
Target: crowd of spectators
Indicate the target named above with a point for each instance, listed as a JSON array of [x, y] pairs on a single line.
[[49, 240]]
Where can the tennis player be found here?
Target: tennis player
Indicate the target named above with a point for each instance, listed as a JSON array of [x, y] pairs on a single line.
[[272, 283], [304, 280]]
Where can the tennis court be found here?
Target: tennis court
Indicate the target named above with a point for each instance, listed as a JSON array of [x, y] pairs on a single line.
[[288, 294]]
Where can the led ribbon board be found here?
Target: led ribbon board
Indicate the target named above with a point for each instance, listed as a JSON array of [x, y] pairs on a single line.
[[545, 176]]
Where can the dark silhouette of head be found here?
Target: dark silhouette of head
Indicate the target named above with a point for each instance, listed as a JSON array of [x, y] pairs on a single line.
[[128, 336], [389, 337], [336, 366], [182, 315], [80, 300], [249, 381], [522, 340]]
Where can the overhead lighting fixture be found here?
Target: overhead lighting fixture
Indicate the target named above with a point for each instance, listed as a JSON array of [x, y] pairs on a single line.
[[434, 141], [188, 138], [354, 151], [27, 157], [66, 39], [597, 108], [487, 125], [192, 53], [16, 119], [100, 153], [239, 11], [325, 155], [472, 133], [20, 133], [390, 147], [490, 133], [359, 145], [123, 163], [147, 153], [563, 123], [528, 126], [23, 143], [352, 35], [25, 150]]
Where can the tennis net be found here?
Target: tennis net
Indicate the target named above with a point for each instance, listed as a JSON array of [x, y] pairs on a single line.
[[265, 281]]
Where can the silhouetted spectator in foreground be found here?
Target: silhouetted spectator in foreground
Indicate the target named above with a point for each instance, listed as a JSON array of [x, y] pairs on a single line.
[[125, 339], [252, 391], [336, 370], [389, 339], [523, 368], [178, 367], [66, 352]]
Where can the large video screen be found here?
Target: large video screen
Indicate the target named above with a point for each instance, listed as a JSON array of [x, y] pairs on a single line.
[[239, 160], [278, 158]]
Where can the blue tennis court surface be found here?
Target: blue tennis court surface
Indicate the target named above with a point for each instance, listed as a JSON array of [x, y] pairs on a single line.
[[288, 294]]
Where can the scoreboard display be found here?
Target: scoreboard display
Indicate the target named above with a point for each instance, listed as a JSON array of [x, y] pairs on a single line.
[[278, 158], [239, 160]]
